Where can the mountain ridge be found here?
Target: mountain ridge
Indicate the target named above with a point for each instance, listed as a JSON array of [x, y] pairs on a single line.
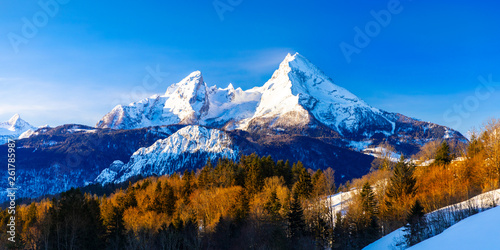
[[297, 99]]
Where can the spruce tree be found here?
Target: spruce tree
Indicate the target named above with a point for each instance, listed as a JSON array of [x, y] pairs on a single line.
[[368, 230], [443, 155], [402, 183], [368, 201], [254, 179], [295, 217], [340, 232], [273, 206], [303, 186], [415, 225], [116, 229]]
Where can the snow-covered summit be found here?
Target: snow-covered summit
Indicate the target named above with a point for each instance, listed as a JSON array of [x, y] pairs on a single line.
[[13, 128], [298, 90]]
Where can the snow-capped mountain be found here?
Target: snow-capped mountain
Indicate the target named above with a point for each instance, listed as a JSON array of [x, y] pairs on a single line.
[[15, 128], [299, 99], [189, 146], [300, 94]]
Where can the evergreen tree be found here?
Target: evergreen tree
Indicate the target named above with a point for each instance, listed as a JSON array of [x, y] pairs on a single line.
[[273, 206], [242, 207], [205, 179], [319, 183], [75, 220], [443, 155], [287, 174], [366, 228], [95, 230], [158, 187], [415, 225], [168, 200], [303, 186], [129, 200], [31, 216], [295, 217], [116, 229], [254, 180], [402, 183], [474, 146], [340, 233], [187, 188], [368, 202]]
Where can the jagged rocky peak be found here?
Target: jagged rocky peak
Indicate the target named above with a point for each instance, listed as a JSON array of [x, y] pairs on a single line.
[[188, 99], [183, 103]]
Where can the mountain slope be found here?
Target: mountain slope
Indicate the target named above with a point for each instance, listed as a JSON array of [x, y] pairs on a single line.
[[482, 202], [479, 231], [189, 146]]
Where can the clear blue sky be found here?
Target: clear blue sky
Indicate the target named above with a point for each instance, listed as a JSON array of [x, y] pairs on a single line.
[[85, 57]]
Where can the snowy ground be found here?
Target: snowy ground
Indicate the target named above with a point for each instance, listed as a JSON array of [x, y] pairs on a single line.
[[480, 231], [338, 202], [479, 222]]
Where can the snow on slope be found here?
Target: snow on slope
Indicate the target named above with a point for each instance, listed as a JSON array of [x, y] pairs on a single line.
[[339, 201], [231, 107], [480, 231], [15, 128], [188, 147], [481, 202]]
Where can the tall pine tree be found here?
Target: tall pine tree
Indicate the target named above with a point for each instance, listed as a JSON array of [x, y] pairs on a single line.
[[295, 217], [415, 225], [443, 154]]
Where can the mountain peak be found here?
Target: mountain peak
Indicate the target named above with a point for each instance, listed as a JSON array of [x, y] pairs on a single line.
[[195, 75], [190, 82], [296, 61], [14, 119], [13, 128]]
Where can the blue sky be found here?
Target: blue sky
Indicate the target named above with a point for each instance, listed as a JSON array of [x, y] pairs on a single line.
[[85, 57]]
